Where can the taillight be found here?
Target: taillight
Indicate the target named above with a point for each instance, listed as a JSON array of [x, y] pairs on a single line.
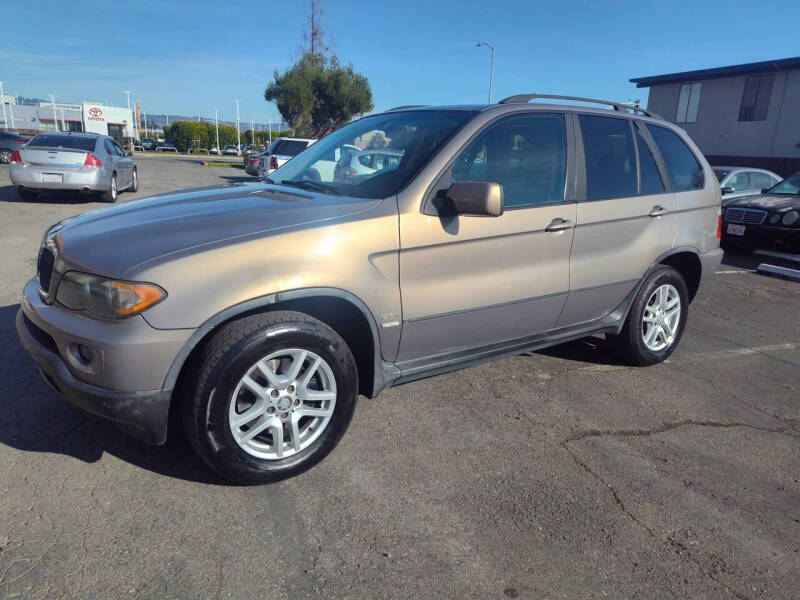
[[254, 160], [20, 139], [15, 157], [349, 172], [273, 162], [92, 161], [719, 226]]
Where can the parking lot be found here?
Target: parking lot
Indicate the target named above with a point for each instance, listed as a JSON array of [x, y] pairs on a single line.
[[556, 474]]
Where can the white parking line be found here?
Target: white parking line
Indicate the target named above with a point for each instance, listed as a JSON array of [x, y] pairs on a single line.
[[737, 271], [716, 355]]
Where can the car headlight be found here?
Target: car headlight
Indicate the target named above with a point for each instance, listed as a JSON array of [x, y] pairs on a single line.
[[774, 218], [106, 298], [790, 218]]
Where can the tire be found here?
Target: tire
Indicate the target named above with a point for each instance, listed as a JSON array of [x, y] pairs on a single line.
[[214, 389], [28, 195], [112, 194], [135, 184], [630, 345], [5, 156]]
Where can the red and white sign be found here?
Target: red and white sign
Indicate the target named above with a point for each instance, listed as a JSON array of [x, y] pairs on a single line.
[[94, 113]]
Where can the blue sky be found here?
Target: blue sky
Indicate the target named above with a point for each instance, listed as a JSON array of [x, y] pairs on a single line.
[[189, 57]]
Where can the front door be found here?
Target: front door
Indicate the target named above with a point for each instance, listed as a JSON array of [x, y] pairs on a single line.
[[468, 281], [626, 218]]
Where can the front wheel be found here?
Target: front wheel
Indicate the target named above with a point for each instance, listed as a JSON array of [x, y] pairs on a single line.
[[135, 182], [270, 396], [656, 319]]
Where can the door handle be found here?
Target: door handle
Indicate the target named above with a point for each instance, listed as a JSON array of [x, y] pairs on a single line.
[[657, 211], [559, 225]]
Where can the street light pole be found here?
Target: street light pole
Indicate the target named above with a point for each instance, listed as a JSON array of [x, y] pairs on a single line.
[[491, 70], [55, 116], [238, 136], [130, 115], [216, 126], [3, 102]]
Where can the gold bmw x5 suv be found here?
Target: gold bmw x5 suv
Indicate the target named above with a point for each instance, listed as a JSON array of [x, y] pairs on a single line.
[[466, 233]]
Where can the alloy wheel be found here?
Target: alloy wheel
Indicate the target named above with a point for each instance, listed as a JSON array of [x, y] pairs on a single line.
[[282, 404], [662, 316]]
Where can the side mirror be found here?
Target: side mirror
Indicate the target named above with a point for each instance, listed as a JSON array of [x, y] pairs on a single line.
[[727, 190], [476, 198]]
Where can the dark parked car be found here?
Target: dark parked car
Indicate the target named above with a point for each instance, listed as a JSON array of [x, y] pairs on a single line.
[[769, 219], [149, 143], [10, 141]]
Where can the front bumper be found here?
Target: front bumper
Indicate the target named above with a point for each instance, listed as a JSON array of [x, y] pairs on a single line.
[[126, 384], [764, 236], [143, 415], [85, 178]]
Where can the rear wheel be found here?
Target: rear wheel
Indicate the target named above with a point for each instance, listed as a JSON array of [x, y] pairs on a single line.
[[270, 396], [135, 182], [28, 195], [656, 319], [113, 192]]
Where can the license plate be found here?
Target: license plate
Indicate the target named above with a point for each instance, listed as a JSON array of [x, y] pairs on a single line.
[[735, 229], [52, 177]]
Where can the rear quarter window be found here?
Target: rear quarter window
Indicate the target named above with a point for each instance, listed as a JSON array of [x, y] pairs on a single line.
[[685, 172], [291, 147]]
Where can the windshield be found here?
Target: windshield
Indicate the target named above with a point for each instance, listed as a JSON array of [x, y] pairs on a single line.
[[373, 157], [50, 140], [788, 187], [720, 173]]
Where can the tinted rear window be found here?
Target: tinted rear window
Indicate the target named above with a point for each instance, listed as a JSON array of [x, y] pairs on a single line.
[[610, 158], [684, 171], [63, 141], [290, 147], [720, 173]]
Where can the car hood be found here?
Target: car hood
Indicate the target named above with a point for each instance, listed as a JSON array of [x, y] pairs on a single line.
[[113, 241], [764, 202]]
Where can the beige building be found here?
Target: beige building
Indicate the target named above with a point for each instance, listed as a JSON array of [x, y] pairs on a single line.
[[746, 115]]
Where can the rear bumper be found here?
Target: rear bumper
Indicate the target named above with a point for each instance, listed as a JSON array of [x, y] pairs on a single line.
[[143, 415], [30, 177], [710, 261]]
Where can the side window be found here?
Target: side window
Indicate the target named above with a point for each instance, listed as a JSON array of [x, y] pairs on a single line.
[[740, 181], [610, 158], [117, 149], [526, 154], [365, 160], [109, 147], [649, 178], [683, 169], [759, 181]]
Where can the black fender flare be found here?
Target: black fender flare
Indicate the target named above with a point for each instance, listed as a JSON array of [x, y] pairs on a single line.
[[383, 373]]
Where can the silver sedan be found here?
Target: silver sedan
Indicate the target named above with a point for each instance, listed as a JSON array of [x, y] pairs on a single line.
[[86, 162]]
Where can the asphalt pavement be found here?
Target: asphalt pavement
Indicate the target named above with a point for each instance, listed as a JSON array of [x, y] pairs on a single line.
[[556, 474]]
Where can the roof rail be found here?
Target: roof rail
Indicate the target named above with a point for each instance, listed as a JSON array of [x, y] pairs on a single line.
[[405, 106], [524, 98]]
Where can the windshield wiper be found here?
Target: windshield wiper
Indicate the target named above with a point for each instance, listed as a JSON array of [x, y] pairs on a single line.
[[313, 185]]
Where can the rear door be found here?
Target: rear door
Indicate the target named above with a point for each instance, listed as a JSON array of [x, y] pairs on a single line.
[[471, 281], [625, 216]]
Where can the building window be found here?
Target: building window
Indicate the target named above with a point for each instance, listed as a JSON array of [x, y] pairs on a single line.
[[688, 103], [755, 99]]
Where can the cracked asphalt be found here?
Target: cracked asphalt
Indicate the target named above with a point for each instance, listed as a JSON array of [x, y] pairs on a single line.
[[556, 474]]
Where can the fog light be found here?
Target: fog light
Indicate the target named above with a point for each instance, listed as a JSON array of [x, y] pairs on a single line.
[[86, 353]]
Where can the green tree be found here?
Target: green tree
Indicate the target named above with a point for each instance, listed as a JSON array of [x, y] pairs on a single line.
[[317, 94]]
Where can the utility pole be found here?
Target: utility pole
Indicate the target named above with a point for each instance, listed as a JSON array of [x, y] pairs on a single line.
[[145, 123], [3, 101], [63, 123], [216, 126], [55, 116], [238, 137], [270, 130], [491, 70]]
